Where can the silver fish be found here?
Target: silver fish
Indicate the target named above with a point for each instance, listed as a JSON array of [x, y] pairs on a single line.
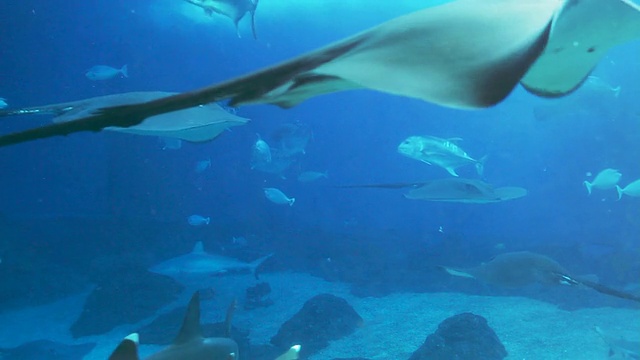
[[105, 72], [441, 152], [276, 196]]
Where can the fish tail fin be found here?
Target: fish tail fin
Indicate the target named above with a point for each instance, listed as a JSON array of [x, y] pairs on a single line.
[[208, 220], [452, 171], [292, 354], [616, 91], [252, 13], [620, 191], [291, 201], [480, 165], [257, 263], [456, 272], [125, 70], [588, 185]]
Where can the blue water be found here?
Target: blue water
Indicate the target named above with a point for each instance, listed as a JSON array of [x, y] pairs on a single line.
[[96, 183]]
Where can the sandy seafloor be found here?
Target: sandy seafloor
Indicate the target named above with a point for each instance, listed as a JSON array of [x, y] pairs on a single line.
[[394, 327]]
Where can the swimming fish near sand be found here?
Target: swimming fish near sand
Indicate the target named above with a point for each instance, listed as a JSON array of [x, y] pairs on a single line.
[[462, 54], [199, 263]]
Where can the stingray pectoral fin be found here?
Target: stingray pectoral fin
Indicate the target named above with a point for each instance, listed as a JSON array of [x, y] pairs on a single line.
[[575, 48], [457, 272], [464, 54]]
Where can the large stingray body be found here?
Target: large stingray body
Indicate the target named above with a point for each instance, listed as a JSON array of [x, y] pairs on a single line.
[[517, 269], [197, 124], [463, 54]]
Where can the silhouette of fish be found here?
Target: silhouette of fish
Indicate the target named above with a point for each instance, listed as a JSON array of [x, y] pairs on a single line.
[[462, 54]]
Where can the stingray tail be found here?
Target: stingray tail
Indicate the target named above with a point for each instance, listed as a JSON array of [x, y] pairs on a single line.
[[39, 110], [602, 288], [255, 265], [480, 165]]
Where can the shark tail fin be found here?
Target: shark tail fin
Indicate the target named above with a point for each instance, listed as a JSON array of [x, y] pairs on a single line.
[[127, 349], [125, 70], [256, 264], [191, 324], [480, 165], [292, 354]]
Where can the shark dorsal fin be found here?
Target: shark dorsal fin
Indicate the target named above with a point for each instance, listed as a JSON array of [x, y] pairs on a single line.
[[190, 329], [198, 248], [127, 349]]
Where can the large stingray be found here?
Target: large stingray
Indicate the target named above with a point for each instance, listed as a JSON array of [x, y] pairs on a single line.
[[197, 124], [453, 190], [463, 54], [521, 268]]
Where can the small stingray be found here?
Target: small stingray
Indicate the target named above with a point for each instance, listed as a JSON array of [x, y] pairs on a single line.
[[453, 190], [233, 9], [522, 268], [197, 124], [462, 54], [464, 191], [46, 350]]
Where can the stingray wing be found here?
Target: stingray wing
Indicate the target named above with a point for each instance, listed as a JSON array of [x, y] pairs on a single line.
[[582, 33]]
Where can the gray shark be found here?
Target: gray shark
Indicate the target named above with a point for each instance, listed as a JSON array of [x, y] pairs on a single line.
[[462, 54], [188, 345], [198, 124], [620, 348], [199, 263], [233, 9]]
